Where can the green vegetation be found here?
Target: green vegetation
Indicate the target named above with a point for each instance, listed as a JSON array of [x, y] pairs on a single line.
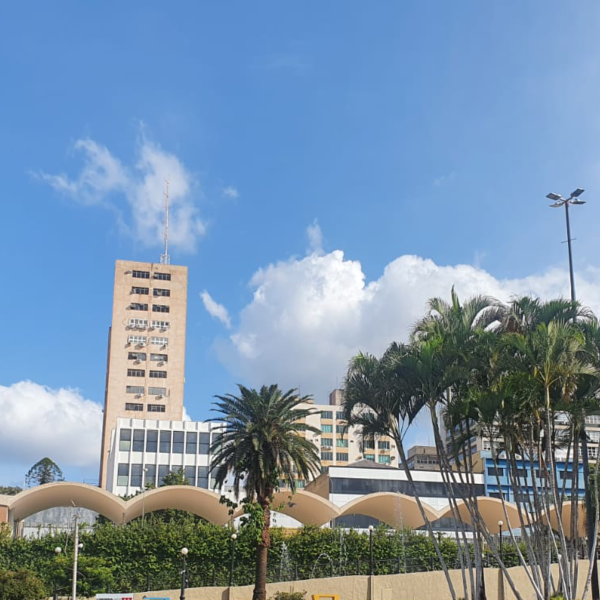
[[20, 585], [44, 471]]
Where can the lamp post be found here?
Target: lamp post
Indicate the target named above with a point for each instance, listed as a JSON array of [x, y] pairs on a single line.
[[232, 567], [76, 548], [500, 524], [559, 201], [57, 552], [370, 549], [184, 552]]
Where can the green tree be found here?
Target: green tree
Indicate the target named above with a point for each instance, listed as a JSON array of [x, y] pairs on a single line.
[[175, 478], [21, 585], [260, 444], [10, 490], [44, 471]]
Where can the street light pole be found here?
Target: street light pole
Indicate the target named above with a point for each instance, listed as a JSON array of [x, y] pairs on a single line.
[[57, 551], [371, 550], [500, 523], [184, 552], [558, 202], [233, 538], [76, 547]]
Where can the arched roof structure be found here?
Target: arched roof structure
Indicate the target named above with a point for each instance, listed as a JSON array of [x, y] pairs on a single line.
[[201, 502], [397, 510], [491, 511], [566, 518]]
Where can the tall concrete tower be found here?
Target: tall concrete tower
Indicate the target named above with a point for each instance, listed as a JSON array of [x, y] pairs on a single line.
[[146, 347]]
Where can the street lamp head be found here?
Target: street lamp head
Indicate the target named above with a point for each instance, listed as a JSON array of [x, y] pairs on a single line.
[[578, 201], [234, 536], [500, 523], [556, 205], [57, 550], [371, 528], [577, 193], [184, 551], [80, 546], [553, 196]]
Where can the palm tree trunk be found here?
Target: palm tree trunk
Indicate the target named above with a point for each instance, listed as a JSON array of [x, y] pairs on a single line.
[[262, 552]]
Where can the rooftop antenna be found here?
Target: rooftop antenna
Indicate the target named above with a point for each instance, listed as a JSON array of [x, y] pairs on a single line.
[[165, 259]]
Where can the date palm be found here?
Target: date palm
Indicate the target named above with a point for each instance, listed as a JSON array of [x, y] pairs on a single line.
[[261, 443]]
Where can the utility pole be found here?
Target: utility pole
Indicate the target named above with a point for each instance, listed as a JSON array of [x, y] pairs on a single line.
[[75, 556]]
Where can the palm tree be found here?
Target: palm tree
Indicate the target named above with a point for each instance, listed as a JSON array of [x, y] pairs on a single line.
[[261, 444]]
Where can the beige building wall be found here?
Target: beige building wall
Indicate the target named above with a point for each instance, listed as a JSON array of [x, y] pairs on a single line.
[[146, 350]]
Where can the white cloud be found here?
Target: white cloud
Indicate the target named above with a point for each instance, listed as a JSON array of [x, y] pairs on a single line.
[[38, 421], [231, 192], [309, 316], [315, 238], [104, 180], [215, 309]]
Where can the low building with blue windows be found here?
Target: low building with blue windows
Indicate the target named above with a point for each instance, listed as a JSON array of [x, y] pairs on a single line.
[[497, 478]]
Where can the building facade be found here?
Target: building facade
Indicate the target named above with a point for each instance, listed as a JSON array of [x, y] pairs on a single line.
[[145, 372], [423, 458]]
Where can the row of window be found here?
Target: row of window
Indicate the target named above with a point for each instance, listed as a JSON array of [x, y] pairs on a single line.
[[143, 356], [138, 475], [523, 473], [143, 323], [381, 444], [138, 407], [144, 291], [152, 391], [342, 456], [142, 340], [164, 441], [146, 275], [329, 442], [328, 414], [142, 373], [162, 308]]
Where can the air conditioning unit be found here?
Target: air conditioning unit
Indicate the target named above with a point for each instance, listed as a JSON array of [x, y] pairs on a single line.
[[163, 346], [136, 362], [158, 396], [160, 364], [163, 328], [139, 395]]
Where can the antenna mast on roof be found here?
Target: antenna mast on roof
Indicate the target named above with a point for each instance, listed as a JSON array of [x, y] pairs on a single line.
[[165, 259]]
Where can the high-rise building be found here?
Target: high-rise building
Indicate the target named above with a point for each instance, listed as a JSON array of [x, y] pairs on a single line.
[[145, 372]]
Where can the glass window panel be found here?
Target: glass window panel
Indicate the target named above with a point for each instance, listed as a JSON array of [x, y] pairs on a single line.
[[204, 443], [136, 475], [178, 442], [151, 440], [150, 475], [327, 428], [191, 442], [165, 441], [203, 477], [163, 471], [190, 475], [138, 440], [125, 439]]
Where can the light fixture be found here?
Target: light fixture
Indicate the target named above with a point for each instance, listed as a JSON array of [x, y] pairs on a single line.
[[184, 551]]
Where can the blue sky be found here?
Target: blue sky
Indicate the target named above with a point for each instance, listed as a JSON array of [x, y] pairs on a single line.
[[396, 132]]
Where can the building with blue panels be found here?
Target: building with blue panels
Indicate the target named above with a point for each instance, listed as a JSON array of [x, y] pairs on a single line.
[[497, 476]]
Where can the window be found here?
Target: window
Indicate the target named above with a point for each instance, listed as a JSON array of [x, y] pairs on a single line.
[[158, 374], [138, 306], [159, 341], [161, 324], [204, 443], [521, 473], [384, 459], [190, 475], [178, 442], [327, 442], [202, 477], [369, 444], [161, 292], [163, 471], [138, 440], [163, 276], [326, 455], [156, 408], [140, 340], [135, 389], [159, 357], [327, 428], [340, 415], [125, 439], [136, 475], [340, 428], [159, 308], [123, 474], [136, 356], [370, 457], [593, 420], [150, 475], [341, 443], [138, 323], [157, 391], [383, 445], [140, 290], [495, 471], [326, 414], [300, 483], [165, 441], [191, 442], [134, 406], [341, 456], [136, 372], [141, 274], [151, 440]]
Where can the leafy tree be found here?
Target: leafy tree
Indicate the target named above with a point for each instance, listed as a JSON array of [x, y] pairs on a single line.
[[175, 478], [10, 490], [21, 585], [44, 471], [260, 444]]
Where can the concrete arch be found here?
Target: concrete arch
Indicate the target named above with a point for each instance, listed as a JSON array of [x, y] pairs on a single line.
[[305, 507], [396, 510], [81, 495], [491, 511], [199, 501], [566, 512]]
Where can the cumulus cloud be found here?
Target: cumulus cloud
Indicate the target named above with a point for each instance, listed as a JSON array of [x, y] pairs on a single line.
[[309, 316], [104, 180], [38, 421], [231, 192], [216, 310], [315, 238]]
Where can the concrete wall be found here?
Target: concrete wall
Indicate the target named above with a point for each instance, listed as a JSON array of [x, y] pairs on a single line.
[[412, 586]]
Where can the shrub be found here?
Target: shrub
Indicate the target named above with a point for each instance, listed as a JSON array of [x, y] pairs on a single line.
[[288, 596], [21, 585]]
